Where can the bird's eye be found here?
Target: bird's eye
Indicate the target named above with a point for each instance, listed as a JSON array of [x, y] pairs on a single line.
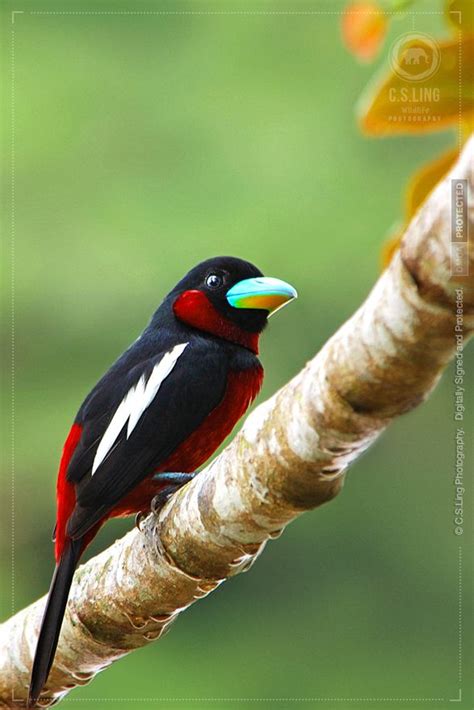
[[214, 281]]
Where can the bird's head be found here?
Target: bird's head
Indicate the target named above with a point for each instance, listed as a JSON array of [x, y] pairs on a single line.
[[230, 298]]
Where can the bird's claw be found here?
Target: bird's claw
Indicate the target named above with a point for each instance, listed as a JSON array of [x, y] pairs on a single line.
[[138, 519], [160, 499], [175, 481]]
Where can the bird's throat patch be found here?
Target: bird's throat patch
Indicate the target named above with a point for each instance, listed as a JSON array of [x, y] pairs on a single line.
[[194, 308]]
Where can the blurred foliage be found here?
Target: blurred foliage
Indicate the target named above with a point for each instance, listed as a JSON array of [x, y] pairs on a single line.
[[364, 26], [143, 144], [439, 93], [428, 86]]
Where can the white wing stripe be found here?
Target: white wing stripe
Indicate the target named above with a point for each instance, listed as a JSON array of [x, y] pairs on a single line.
[[137, 399], [137, 404]]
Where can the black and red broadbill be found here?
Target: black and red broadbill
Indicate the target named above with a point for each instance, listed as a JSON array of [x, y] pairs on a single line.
[[158, 414]]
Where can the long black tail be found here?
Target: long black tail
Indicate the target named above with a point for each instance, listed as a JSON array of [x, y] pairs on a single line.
[[53, 618]]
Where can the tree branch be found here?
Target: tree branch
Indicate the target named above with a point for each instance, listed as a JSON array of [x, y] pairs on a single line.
[[290, 457]]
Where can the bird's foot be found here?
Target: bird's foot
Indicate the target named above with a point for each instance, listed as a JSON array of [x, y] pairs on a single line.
[[174, 482]]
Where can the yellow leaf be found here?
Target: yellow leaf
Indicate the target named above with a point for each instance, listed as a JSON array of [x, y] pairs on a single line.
[[425, 179], [460, 14], [421, 93], [418, 189], [363, 26], [389, 247], [467, 127]]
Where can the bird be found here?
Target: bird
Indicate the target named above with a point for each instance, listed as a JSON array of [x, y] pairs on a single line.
[[157, 415]]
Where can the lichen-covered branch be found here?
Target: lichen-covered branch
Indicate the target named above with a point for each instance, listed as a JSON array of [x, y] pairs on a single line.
[[290, 457]]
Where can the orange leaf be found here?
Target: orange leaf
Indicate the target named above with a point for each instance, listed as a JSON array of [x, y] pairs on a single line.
[[363, 26], [421, 93], [425, 179]]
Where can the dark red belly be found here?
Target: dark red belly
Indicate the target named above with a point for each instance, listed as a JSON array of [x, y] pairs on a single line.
[[242, 388]]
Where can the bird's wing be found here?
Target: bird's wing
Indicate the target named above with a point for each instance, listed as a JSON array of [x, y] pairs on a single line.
[[172, 395]]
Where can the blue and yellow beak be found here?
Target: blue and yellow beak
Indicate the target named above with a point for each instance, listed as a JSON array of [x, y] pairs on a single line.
[[263, 292]]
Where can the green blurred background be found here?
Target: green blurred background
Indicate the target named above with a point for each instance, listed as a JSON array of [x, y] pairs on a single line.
[[143, 145]]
